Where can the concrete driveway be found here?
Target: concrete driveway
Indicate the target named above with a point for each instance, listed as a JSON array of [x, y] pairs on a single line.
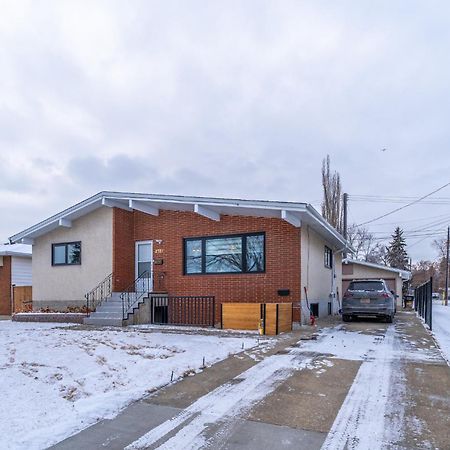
[[362, 385]]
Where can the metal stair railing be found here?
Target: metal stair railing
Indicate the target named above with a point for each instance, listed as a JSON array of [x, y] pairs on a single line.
[[99, 294], [140, 288]]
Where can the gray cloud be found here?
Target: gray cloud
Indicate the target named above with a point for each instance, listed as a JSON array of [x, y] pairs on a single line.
[[239, 99]]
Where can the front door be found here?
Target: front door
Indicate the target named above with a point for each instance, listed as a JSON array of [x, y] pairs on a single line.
[[144, 265]]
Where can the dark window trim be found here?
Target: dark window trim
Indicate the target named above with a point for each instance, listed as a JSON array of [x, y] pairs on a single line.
[[328, 251], [203, 240], [66, 244]]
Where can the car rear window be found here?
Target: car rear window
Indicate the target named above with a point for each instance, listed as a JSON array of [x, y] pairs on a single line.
[[366, 286]]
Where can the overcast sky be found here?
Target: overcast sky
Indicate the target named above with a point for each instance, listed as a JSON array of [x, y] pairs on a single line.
[[239, 99]]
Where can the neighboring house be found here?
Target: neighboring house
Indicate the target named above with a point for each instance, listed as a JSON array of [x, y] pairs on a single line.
[[357, 270], [234, 250], [15, 270]]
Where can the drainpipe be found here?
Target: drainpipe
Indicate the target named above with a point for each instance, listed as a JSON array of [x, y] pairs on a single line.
[[12, 298], [334, 304]]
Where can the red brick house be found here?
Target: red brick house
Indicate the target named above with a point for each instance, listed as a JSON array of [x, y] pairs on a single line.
[[230, 249], [15, 270]]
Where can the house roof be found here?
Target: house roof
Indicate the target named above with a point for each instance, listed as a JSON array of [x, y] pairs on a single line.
[[15, 250], [294, 213], [405, 274]]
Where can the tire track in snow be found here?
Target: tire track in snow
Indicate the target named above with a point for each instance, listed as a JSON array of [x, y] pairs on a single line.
[[360, 423], [223, 404]]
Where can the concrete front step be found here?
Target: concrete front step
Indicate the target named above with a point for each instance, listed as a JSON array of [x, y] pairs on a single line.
[[111, 307], [106, 315], [110, 312], [103, 322]]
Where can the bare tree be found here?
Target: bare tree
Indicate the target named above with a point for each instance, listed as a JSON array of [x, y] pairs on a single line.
[[441, 246], [332, 209], [365, 245], [423, 270]]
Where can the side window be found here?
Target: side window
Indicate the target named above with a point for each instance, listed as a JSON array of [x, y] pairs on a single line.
[[328, 257], [66, 254]]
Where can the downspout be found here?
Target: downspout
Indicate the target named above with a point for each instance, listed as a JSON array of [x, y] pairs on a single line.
[[335, 301], [305, 313]]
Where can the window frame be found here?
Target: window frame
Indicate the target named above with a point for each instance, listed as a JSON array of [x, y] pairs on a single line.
[[328, 255], [203, 240], [66, 246]]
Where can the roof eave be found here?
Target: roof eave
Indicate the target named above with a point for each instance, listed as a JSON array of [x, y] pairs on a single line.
[[302, 211]]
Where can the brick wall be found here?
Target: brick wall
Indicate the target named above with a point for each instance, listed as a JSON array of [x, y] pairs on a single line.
[[282, 255], [5, 286], [123, 249]]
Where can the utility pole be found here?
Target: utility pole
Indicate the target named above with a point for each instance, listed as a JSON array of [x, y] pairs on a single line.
[[345, 201], [446, 268]]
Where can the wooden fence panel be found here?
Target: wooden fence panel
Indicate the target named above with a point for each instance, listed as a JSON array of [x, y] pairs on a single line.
[[284, 317], [241, 316], [246, 316], [22, 298], [271, 319]]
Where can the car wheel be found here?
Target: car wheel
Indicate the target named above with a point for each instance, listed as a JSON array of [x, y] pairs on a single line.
[[389, 319], [346, 318]]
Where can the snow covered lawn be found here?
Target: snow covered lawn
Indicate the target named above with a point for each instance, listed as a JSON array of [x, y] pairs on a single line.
[[55, 381], [441, 328]]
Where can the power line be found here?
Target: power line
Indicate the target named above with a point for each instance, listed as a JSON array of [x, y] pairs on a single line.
[[418, 242], [405, 206], [419, 219]]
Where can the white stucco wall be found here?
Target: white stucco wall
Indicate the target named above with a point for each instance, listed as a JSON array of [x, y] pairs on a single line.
[[21, 271], [321, 282], [69, 284]]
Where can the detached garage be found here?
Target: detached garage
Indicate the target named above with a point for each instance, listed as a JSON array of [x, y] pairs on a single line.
[[359, 270]]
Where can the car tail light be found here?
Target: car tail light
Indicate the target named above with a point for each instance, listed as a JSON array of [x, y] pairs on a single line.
[[385, 295], [348, 295]]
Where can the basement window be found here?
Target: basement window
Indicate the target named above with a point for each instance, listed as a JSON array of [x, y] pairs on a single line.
[[242, 253], [66, 254]]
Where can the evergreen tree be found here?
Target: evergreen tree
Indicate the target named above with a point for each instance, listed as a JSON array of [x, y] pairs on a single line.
[[396, 252]]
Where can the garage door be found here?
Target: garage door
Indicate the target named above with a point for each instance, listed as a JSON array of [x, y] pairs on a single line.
[[391, 284]]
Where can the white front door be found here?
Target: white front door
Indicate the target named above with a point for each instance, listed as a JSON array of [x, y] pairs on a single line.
[[144, 264]]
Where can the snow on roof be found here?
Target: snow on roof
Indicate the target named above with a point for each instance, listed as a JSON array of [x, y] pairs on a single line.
[[15, 250], [294, 213], [405, 274]]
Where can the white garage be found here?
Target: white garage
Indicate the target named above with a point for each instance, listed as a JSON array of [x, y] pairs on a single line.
[[353, 269]]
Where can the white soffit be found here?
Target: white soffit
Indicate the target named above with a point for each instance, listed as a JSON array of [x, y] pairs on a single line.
[[294, 213], [291, 218], [206, 212], [144, 207]]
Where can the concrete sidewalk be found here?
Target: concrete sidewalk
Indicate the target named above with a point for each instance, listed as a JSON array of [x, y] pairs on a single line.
[[302, 409], [150, 412]]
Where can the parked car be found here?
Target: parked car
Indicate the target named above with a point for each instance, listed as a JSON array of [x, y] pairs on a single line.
[[370, 298], [435, 296]]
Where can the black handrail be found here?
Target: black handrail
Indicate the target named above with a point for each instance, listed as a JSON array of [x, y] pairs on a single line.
[[133, 293], [99, 294]]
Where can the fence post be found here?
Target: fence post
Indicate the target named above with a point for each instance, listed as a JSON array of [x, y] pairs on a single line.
[[430, 296]]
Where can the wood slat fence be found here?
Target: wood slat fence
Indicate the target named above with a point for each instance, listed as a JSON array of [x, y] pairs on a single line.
[[275, 317]]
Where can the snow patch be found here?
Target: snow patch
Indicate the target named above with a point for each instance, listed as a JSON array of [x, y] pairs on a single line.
[[58, 381]]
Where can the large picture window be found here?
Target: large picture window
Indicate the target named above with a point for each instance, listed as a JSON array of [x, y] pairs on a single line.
[[243, 253], [66, 254]]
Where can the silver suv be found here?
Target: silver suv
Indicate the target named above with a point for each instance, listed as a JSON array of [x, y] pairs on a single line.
[[368, 298]]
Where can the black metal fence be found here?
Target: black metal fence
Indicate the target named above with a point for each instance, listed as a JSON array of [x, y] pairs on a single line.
[[99, 294], [183, 310], [139, 289], [423, 302]]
